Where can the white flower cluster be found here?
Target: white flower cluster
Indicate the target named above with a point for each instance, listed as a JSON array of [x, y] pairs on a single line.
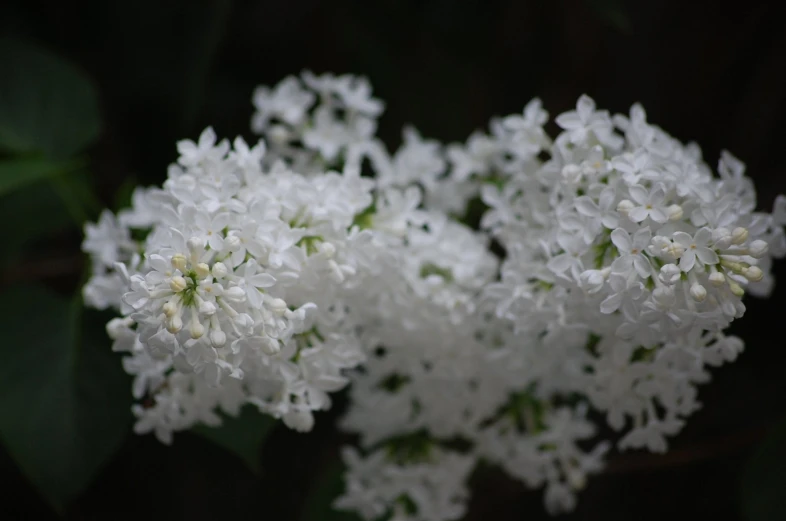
[[607, 263], [237, 291]]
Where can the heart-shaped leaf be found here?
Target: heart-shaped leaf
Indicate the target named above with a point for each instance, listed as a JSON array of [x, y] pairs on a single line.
[[46, 104], [64, 398], [18, 172]]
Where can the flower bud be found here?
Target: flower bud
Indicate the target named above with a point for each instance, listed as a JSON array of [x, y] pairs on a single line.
[[625, 206], [736, 289], [675, 212], [218, 338], [202, 270], [195, 244], [177, 284], [698, 292], [739, 235], [717, 279], [235, 293], [669, 274], [753, 274], [170, 308], [758, 248], [207, 308], [196, 329], [219, 270], [278, 307], [179, 262], [174, 324]]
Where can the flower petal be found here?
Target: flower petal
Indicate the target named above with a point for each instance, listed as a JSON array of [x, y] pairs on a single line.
[[587, 207], [611, 304], [707, 255], [638, 214], [621, 240], [639, 194], [688, 260]]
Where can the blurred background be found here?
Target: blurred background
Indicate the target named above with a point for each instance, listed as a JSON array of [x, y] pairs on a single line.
[[94, 95]]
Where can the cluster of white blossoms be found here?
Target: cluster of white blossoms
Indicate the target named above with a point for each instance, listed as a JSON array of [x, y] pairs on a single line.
[[607, 263]]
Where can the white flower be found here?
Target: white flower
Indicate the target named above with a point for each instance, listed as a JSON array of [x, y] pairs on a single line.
[[696, 247], [287, 102], [608, 263], [631, 252], [650, 204], [583, 120]]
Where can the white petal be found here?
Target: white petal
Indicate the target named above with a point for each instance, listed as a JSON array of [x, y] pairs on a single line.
[[262, 280], [586, 206], [560, 263], [658, 215], [639, 194], [707, 256], [611, 304], [621, 240], [688, 260], [638, 214]]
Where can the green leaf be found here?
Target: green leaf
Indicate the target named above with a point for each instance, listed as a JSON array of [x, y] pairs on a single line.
[[243, 436], [46, 104], [16, 173], [64, 398], [37, 212], [329, 486], [764, 479]]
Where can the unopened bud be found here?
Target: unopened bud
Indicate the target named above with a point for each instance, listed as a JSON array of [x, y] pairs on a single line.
[[202, 270], [235, 293], [278, 307], [196, 329], [177, 284], [195, 244], [754, 274], [170, 308], [218, 338], [675, 212], [179, 262], [207, 308], [736, 289], [717, 279], [698, 292], [758, 248], [219, 270], [625, 206], [739, 235], [174, 324], [669, 274]]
